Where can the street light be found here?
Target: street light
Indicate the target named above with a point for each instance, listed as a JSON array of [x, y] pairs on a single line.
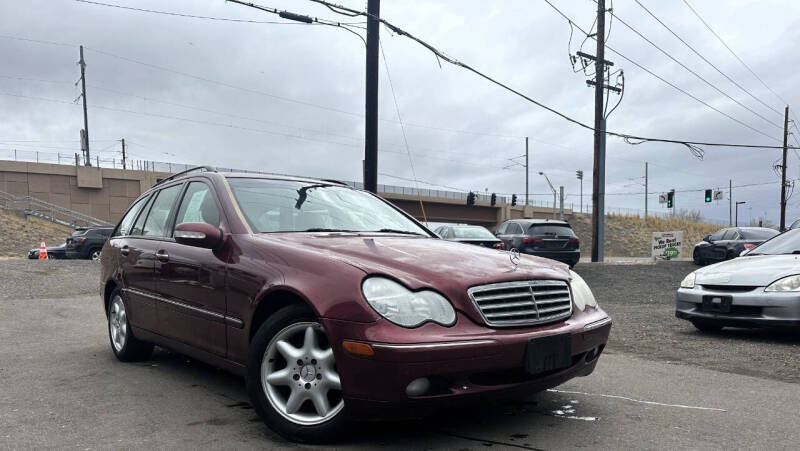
[[555, 194], [737, 212]]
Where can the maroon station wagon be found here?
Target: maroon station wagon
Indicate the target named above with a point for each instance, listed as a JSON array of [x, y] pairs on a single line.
[[334, 304]]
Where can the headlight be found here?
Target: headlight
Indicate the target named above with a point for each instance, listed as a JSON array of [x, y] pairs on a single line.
[[789, 283], [404, 307], [688, 281], [581, 293]]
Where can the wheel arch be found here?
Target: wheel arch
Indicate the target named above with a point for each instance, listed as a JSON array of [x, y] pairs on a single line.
[[272, 301], [109, 288]]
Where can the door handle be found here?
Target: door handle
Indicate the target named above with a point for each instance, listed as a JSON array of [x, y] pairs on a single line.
[[125, 250], [162, 256]]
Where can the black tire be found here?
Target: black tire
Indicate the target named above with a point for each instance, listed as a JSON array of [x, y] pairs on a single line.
[[326, 432], [133, 349], [90, 254], [705, 326]]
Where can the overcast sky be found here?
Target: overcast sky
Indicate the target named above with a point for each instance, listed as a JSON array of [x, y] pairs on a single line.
[[289, 98]]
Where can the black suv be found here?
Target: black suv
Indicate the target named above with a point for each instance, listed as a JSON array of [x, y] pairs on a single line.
[[543, 238], [86, 242]]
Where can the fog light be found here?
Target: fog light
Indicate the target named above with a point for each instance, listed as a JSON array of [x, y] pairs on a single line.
[[418, 387]]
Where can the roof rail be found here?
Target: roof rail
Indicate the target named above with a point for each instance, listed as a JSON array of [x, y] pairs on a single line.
[[177, 174]]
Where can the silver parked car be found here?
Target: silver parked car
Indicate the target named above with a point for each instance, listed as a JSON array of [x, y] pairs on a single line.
[[760, 290]]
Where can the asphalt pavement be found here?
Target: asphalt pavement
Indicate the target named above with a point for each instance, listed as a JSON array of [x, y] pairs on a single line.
[[62, 388]]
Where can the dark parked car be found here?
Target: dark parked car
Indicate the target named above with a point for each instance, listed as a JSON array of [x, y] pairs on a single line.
[[542, 237], [470, 234], [54, 253], [87, 242], [336, 305], [729, 243]]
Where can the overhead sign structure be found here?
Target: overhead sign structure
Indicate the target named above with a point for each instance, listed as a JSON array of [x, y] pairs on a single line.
[[667, 245]]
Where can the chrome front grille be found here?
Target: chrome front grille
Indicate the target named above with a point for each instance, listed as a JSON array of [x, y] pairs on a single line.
[[522, 303]]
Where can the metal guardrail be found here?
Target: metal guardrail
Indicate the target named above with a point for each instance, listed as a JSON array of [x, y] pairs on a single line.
[[50, 212]]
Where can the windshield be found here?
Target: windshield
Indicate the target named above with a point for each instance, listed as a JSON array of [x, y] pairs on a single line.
[[292, 206], [758, 234], [550, 230], [785, 243], [472, 232]]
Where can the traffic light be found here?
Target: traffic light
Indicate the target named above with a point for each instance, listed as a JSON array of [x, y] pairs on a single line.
[[513, 200], [471, 198], [579, 174], [670, 198], [494, 199], [708, 195]]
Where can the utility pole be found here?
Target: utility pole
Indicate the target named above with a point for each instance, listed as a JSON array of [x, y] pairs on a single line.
[[526, 172], [783, 168], [579, 175], [371, 107], [82, 63], [645, 191], [730, 203], [123, 154], [599, 170]]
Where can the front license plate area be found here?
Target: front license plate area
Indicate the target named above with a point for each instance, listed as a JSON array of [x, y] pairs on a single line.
[[545, 354], [716, 304]]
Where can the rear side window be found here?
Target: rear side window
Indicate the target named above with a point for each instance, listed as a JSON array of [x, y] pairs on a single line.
[[554, 230], [198, 205], [514, 229], [157, 217], [127, 221], [757, 234], [729, 234]]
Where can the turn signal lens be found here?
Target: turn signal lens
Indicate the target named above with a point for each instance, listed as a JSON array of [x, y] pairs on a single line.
[[358, 348]]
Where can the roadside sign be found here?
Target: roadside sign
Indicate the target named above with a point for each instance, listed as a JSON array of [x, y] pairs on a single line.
[[718, 195], [667, 245], [662, 198]]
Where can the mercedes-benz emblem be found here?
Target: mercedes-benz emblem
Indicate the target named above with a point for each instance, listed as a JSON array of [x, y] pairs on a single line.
[[513, 255]]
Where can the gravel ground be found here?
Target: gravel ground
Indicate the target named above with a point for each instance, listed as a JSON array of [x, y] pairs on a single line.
[[639, 297], [641, 301]]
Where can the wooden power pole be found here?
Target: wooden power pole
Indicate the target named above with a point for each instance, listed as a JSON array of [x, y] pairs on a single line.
[[87, 157], [371, 107], [599, 170], [783, 168]]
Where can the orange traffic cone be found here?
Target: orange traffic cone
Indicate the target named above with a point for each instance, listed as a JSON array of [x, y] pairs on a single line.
[[42, 251]]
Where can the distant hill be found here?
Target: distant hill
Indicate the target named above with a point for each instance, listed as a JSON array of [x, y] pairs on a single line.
[[19, 234], [630, 236]]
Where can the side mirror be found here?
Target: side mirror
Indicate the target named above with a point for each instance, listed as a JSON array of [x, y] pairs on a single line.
[[707, 238], [198, 234]]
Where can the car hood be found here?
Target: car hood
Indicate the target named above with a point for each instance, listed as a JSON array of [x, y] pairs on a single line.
[[445, 266], [756, 270]]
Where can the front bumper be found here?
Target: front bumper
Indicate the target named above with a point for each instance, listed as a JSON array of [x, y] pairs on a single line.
[[755, 308], [466, 362]]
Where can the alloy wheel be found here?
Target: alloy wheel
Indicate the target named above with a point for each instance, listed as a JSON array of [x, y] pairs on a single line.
[[95, 255], [299, 377], [118, 323]]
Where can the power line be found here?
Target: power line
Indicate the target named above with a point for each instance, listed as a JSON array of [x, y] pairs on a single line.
[[192, 16], [732, 52], [662, 79], [706, 59], [441, 56], [698, 76]]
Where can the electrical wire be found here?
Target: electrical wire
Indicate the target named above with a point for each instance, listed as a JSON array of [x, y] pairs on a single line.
[[402, 129], [700, 55], [733, 53], [698, 76], [442, 56], [192, 16]]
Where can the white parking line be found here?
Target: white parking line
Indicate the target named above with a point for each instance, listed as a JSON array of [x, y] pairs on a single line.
[[680, 406]]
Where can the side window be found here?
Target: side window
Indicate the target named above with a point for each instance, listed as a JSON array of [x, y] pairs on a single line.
[[502, 229], [515, 229], [729, 234], [156, 222], [137, 227], [198, 205], [718, 236]]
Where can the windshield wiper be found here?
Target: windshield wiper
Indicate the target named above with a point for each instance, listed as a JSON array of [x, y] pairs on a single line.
[[404, 232], [323, 229]]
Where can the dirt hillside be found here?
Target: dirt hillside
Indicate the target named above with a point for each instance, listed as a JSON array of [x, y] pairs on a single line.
[[19, 234], [630, 236]]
